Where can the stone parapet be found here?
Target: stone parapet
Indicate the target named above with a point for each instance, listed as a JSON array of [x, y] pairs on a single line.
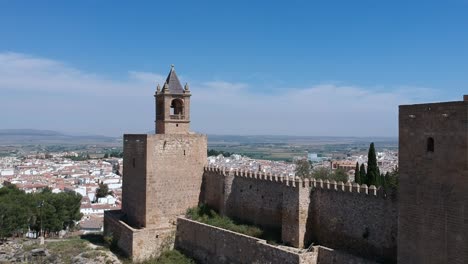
[[212, 245], [138, 244], [298, 182]]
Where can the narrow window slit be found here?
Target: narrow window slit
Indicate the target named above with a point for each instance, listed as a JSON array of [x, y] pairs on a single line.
[[430, 144]]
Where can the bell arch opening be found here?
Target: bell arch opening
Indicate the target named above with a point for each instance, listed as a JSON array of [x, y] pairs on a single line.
[[177, 107]]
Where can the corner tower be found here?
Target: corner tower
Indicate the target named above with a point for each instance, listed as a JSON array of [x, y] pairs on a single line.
[[172, 106], [433, 184]]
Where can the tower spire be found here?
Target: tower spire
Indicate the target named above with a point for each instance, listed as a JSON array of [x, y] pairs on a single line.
[[172, 106], [173, 83]]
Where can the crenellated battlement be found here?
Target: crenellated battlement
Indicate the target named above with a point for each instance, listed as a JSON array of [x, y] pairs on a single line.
[[315, 184]]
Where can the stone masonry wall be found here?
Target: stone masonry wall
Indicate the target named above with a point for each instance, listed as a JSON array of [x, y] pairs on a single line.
[[433, 186], [139, 244], [176, 127], [151, 242], [296, 201], [121, 233], [330, 256], [134, 178], [162, 179], [213, 189], [253, 200], [212, 245], [174, 175], [357, 219]]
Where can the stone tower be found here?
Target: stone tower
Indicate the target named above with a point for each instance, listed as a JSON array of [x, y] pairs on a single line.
[[172, 106], [162, 176], [433, 186]]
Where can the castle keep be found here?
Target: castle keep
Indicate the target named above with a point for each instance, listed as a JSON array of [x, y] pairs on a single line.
[[162, 175], [319, 221]]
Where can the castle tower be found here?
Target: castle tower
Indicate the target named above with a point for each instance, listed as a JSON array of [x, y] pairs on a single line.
[[162, 176], [433, 185], [172, 106]]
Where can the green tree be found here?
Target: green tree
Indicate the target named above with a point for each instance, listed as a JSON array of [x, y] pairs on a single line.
[[339, 175], [362, 174], [373, 172], [302, 168], [213, 152], [357, 175], [102, 190], [321, 173], [13, 213], [53, 212], [391, 180], [380, 180]]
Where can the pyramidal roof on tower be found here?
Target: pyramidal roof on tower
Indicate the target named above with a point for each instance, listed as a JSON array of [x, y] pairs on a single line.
[[173, 82]]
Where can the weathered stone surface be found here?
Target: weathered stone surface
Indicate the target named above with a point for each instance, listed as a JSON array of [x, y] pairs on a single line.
[[433, 185], [162, 177], [330, 256], [357, 222], [39, 252], [139, 244], [364, 225], [212, 245]]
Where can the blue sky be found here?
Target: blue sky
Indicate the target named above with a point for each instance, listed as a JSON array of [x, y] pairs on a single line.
[[292, 67]]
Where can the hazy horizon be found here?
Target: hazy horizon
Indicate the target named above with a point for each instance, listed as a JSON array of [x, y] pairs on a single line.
[[72, 133]]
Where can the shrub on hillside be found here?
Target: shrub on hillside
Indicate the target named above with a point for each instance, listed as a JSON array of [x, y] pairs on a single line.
[[208, 216]]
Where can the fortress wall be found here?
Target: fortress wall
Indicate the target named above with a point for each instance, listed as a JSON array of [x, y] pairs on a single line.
[[331, 256], [151, 242], [121, 233], [358, 219], [296, 202], [247, 196], [213, 189], [139, 244], [255, 201], [212, 245], [174, 175], [354, 218]]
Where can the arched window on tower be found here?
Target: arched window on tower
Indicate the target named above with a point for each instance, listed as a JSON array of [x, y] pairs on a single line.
[[430, 144], [177, 107]]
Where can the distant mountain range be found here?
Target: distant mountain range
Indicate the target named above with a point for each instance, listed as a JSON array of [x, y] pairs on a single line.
[[35, 136]]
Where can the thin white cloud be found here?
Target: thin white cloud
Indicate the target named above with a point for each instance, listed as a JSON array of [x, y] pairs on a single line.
[[21, 72], [48, 94], [147, 77]]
